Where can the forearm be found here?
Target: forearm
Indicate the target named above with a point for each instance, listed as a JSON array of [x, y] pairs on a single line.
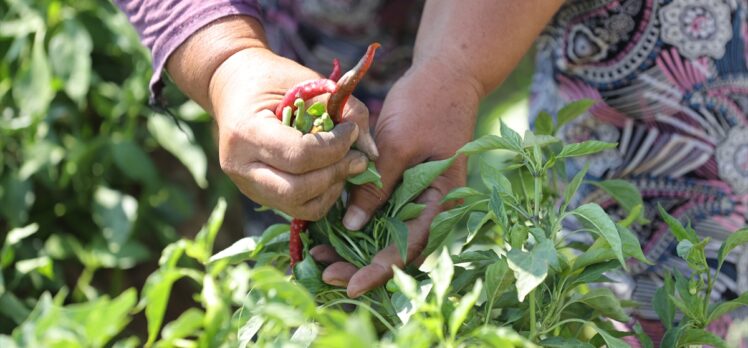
[[478, 41], [194, 63]]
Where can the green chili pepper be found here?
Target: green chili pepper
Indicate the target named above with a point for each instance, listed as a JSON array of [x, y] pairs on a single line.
[[287, 114]]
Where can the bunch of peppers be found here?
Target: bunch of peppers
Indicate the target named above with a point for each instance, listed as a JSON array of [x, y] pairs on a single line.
[[318, 117]]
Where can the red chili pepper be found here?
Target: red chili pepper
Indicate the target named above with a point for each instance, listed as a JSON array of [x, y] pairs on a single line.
[[340, 89], [294, 241], [348, 83]]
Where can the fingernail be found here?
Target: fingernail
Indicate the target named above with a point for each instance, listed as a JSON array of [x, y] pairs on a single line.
[[337, 282], [358, 165], [355, 218]]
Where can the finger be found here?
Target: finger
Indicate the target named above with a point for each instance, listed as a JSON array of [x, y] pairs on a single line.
[[324, 254], [366, 199], [338, 273], [355, 111], [380, 269], [289, 190], [316, 208], [291, 151]]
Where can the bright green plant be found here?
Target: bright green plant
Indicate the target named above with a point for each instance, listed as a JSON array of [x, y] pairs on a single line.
[[691, 294]]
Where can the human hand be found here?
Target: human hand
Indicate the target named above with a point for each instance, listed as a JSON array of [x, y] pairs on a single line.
[[423, 119], [276, 165]]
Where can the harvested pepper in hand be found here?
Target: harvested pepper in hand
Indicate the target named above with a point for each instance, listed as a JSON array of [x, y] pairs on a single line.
[[292, 111]]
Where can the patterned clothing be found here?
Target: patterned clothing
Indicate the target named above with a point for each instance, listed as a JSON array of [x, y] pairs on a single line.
[[671, 78]]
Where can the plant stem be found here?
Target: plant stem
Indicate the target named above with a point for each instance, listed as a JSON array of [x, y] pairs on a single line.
[[538, 185], [532, 316]]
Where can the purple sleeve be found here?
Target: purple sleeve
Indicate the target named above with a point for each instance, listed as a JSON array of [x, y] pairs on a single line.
[[164, 24]]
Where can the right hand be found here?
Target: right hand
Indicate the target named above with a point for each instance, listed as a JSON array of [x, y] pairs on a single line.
[[275, 165]]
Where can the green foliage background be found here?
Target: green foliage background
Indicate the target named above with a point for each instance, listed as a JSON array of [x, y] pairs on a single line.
[[93, 183]]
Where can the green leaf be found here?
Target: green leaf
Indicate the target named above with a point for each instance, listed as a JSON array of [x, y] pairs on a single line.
[[597, 221], [496, 204], [475, 222], [442, 275], [405, 283], [443, 224], [672, 336], [734, 240], [644, 340], [370, 175], [571, 189], [513, 138], [13, 308], [503, 337], [417, 179], [564, 342], [676, 227], [115, 213], [586, 148], [207, 235], [693, 254], [13, 237], [594, 273], [727, 307], [462, 193], [186, 325], [631, 245], [134, 162], [410, 211], [309, 275], [17, 198], [71, 58], [492, 177], [177, 138], [248, 248], [604, 302], [599, 251], [663, 305], [399, 232], [544, 124], [698, 337], [531, 268], [622, 191], [498, 280], [32, 86], [538, 140], [573, 110], [156, 293], [463, 308], [486, 143], [690, 304], [610, 340]]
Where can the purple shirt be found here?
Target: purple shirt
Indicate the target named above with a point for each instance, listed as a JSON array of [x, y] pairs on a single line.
[[163, 25]]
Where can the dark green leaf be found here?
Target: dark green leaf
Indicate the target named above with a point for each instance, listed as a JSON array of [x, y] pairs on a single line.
[[663, 305], [594, 273], [115, 213], [696, 337], [443, 224], [573, 110], [727, 307], [179, 141], [610, 340], [573, 186], [631, 245], [676, 227], [71, 58], [134, 162], [486, 143], [544, 124], [463, 307], [734, 240], [399, 232], [308, 274], [370, 175], [496, 204], [586, 148], [410, 211], [604, 302], [475, 222], [32, 86], [644, 340], [622, 191], [597, 221], [512, 137], [462, 193], [417, 179], [498, 280], [564, 342]]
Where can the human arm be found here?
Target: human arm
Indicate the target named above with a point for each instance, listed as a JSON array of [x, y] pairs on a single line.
[[463, 51], [227, 68]]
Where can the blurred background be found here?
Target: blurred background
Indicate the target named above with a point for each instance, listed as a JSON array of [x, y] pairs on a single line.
[[93, 183]]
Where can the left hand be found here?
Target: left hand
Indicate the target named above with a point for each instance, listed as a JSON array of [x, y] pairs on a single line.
[[424, 118]]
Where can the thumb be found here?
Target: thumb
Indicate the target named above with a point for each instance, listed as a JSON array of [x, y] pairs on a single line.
[[366, 199], [355, 111]]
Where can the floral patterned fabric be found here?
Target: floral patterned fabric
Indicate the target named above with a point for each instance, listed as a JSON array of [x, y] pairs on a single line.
[[671, 78]]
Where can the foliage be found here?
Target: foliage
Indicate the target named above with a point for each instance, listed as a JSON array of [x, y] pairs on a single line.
[[691, 294], [80, 190]]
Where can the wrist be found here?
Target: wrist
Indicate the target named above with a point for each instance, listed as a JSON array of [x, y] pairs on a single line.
[[194, 63]]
